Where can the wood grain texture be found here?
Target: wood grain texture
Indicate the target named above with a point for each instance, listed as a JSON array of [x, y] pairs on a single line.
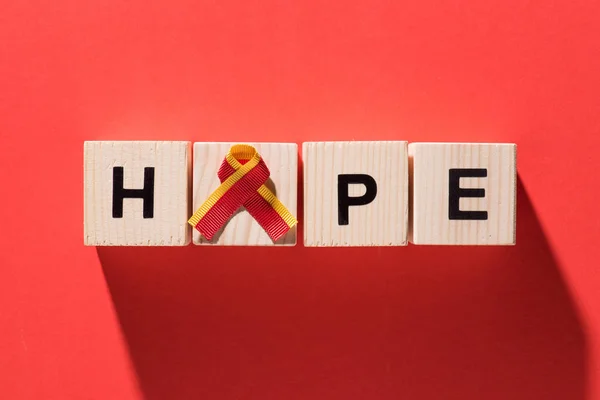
[[168, 227], [242, 229], [430, 222], [384, 221]]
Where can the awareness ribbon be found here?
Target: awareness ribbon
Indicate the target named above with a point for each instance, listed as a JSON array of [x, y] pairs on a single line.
[[243, 174]]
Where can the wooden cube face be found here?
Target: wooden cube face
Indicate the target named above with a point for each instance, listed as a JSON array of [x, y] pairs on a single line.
[[242, 229], [463, 193], [355, 193], [136, 193]]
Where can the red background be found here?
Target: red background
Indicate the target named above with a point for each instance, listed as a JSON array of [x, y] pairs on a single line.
[[325, 323]]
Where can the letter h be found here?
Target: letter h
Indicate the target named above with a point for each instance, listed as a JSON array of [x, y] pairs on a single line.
[[120, 193]]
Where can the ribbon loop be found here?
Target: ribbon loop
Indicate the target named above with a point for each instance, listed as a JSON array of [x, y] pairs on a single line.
[[243, 174]]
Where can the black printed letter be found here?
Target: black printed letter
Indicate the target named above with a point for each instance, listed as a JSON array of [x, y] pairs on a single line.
[[455, 193], [344, 202], [119, 193]]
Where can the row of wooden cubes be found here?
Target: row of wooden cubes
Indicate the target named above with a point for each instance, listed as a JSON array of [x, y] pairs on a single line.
[[379, 193]]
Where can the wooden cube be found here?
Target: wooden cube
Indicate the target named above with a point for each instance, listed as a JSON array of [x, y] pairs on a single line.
[[242, 229], [355, 193], [463, 193], [136, 193]]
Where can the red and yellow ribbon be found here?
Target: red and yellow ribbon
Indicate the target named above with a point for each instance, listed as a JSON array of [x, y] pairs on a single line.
[[242, 175]]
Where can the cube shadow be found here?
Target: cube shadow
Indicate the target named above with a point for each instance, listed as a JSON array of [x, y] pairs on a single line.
[[416, 322]]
